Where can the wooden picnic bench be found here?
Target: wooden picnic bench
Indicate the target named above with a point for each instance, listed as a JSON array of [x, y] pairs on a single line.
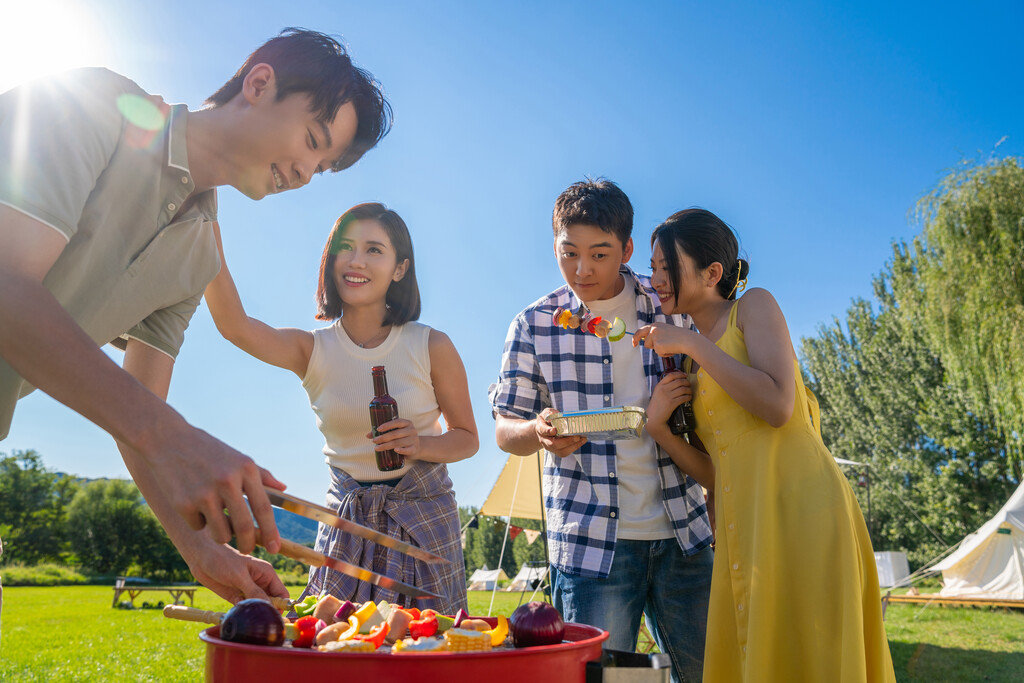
[[121, 587], [946, 601]]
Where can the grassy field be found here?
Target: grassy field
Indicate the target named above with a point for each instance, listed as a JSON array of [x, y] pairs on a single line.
[[73, 634]]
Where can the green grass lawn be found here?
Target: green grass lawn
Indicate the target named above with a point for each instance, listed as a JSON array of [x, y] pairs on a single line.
[[73, 634]]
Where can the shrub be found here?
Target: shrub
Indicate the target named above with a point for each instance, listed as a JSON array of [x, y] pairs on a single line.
[[18, 574]]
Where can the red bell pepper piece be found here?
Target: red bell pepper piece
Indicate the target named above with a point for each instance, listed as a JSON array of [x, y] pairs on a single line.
[[414, 611], [424, 627], [306, 626], [376, 636]]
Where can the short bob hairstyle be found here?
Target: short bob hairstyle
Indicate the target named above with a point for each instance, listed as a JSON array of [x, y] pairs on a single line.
[[315, 64], [706, 239], [403, 297]]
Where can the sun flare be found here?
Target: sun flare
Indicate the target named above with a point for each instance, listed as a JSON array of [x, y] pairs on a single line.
[[39, 37]]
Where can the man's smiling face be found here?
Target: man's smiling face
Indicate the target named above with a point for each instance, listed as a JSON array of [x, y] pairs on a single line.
[[589, 259], [286, 145]]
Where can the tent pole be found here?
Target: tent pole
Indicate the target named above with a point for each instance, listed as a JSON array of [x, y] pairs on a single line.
[[867, 477], [544, 521], [508, 529]]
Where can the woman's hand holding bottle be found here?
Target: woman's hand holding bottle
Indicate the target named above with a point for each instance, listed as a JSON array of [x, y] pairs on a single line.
[[673, 390], [397, 435]]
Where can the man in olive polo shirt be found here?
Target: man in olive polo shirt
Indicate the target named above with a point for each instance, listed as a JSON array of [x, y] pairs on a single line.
[[107, 206]]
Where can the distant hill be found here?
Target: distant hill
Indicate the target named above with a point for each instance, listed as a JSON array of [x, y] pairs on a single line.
[[295, 527]]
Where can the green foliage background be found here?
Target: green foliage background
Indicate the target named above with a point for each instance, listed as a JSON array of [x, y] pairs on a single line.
[[924, 384], [483, 544]]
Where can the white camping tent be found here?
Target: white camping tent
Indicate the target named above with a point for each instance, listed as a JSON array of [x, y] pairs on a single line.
[[528, 578], [485, 579], [990, 562]]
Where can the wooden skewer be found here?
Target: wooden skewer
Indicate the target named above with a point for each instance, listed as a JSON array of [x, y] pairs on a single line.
[[211, 617], [282, 604], [192, 614]]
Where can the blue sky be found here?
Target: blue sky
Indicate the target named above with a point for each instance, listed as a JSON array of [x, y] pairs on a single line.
[[811, 128]]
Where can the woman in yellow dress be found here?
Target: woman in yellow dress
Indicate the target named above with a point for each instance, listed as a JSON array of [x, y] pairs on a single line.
[[794, 593]]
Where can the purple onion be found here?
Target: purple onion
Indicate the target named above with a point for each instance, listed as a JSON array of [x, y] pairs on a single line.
[[536, 623], [253, 621], [346, 610]]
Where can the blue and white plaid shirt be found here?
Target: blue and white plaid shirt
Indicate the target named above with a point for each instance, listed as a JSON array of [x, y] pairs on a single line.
[[544, 365]]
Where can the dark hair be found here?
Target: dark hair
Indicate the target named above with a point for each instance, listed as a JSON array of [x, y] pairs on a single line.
[[403, 297], [706, 239], [594, 202], [317, 65]]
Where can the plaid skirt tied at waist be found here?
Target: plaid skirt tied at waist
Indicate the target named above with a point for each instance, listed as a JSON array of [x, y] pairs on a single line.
[[421, 510]]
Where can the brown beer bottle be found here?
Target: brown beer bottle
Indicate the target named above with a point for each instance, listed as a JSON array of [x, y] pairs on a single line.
[[682, 421], [383, 409]]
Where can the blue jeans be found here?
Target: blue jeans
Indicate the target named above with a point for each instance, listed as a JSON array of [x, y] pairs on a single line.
[[653, 578]]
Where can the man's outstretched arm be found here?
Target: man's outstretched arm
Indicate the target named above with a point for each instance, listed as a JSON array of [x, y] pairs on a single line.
[[219, 567], [198, 476]]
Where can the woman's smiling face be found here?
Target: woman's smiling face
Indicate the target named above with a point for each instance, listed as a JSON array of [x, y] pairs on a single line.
[[366, 263], [676, 297]]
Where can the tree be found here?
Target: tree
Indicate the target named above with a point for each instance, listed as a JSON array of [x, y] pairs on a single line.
[[33, 503], [483, 543], [929, 388], [522, 550], [962, 282], [112, 529], [937, 470]]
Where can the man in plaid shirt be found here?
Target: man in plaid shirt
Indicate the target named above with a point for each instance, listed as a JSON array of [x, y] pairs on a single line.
[[628, 531]]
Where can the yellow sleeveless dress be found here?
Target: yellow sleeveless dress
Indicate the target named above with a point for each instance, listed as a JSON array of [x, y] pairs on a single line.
[[794, 593]]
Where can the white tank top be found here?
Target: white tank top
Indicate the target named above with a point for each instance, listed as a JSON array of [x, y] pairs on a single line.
[[340, 388]]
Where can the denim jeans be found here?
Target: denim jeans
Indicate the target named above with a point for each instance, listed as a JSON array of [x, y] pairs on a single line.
[[653, 578]]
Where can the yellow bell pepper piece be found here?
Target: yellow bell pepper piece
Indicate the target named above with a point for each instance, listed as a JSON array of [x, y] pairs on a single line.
[[353, 628], [365, 612], [499, 632], [369, 616]]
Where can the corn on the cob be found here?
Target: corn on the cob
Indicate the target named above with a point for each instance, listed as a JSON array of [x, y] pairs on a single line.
[[409, 646], [347, 646], [462, 640]]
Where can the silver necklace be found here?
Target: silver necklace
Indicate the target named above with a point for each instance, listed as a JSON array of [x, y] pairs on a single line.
[[383, 332]]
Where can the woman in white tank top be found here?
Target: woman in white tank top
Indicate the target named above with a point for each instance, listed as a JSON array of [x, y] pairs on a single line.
[[368, 289]]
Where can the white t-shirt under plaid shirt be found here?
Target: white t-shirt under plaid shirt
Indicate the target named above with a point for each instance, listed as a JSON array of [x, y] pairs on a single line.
[[544, 365]]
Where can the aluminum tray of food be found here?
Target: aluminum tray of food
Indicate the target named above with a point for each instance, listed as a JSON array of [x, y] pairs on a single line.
[[625, 422]]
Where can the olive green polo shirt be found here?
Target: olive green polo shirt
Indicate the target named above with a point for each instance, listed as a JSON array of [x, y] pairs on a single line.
[[88, 154]]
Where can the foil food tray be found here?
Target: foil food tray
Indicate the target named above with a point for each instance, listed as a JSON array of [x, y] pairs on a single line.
[[625, 422]]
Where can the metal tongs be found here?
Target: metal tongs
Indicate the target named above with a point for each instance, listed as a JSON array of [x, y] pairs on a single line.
[[317, 559]]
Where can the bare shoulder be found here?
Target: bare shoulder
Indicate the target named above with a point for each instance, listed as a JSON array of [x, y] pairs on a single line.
[[439, 340], [757, 296], [445, 362], [756, 299], [440, 347], [758, 306]]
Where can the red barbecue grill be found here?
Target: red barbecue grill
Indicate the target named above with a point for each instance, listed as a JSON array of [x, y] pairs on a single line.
[[566, 662]]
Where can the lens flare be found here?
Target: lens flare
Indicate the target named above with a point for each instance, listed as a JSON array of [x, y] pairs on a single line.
[[140, 112], [146, 117]]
